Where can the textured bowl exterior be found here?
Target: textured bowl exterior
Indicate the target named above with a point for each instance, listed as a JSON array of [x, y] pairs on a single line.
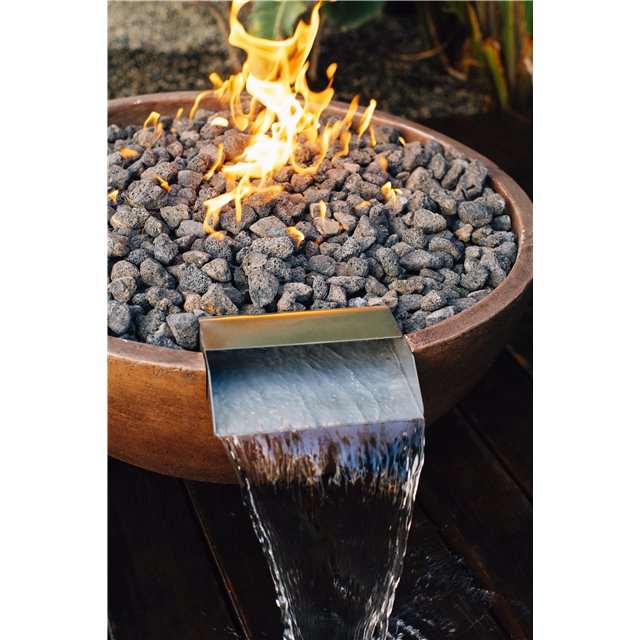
[[159, 414]]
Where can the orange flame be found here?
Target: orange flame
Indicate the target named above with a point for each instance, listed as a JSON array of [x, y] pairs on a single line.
[[219, 121], [163, 183], [362, 205], [296, 234], [125, 152], [216, 164], [389, 192], [282, 109], [152, 119], [323, 214], [366, 121], [403, 142], [113, 195]]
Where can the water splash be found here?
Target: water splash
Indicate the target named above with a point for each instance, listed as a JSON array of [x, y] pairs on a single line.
[[332, 509]]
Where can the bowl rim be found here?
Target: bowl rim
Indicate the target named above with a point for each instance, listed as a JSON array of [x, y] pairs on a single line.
[[516, 283]]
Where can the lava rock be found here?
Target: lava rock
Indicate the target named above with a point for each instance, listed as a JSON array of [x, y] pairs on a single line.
[[152, 273], [475, 214], [184, 328], [174, 215], [118, 317], [194, 279], [263, 288], [218, 270]]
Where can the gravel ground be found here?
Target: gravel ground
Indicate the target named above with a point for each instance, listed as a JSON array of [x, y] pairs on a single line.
[[172, 46], [428, 251]]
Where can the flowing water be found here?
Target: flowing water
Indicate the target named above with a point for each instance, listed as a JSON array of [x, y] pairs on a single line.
[[332, 510], [328, 441]]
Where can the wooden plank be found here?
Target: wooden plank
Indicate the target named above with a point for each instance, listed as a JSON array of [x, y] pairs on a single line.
[[237, 553], [482, 515], [520, 345], [437, 595], [500, 408], [162, 584]]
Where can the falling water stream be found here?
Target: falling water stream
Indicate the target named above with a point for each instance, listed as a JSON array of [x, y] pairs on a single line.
[[327, 440]]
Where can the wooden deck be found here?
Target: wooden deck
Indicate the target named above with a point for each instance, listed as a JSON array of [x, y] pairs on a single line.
[[184, 562]]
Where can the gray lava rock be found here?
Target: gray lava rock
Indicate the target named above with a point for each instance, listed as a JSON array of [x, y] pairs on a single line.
[[184, 327], [164, 249], [199, 258], [439, 315], [117, 245], [263, 288], [301, 292], [193, 279], [124, 268], [191, 228], [152, 273], [218, 270], [475, 214], [322, 264], [338, 295], [269, 227], [429, 221], [274, 247], [420, 179], [145, 194], [189, 179], [475, 279], [122, 289], [174, 215], [118, 317], [216, 302], [433, 301], [389, 261], [351, 284], [472, 181], [420, 259]]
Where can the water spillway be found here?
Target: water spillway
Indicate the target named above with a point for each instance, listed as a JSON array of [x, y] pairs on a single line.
[[322, 416]]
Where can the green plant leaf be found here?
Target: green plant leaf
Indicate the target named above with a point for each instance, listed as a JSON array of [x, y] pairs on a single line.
[[510, 54], [274, 19], [491, 50], [528, 16], [350, 14]]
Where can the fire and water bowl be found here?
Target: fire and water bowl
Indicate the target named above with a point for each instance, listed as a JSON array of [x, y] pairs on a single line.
[[159, 414]]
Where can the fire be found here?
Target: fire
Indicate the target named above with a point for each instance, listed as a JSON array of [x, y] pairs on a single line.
[[402, 141], [296, 234], [322, 206], [113, 195], [127, 153], [281, 113], [389, 192], [153, 119], [163, 183], [217, 162], [219, 121]]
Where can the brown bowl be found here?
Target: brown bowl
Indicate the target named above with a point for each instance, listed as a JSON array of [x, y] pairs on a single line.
[[159, 416]]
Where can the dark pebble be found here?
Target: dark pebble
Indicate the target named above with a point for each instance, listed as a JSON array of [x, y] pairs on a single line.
[[263, 288], [193, 279], [184, 327], [118, 317]]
